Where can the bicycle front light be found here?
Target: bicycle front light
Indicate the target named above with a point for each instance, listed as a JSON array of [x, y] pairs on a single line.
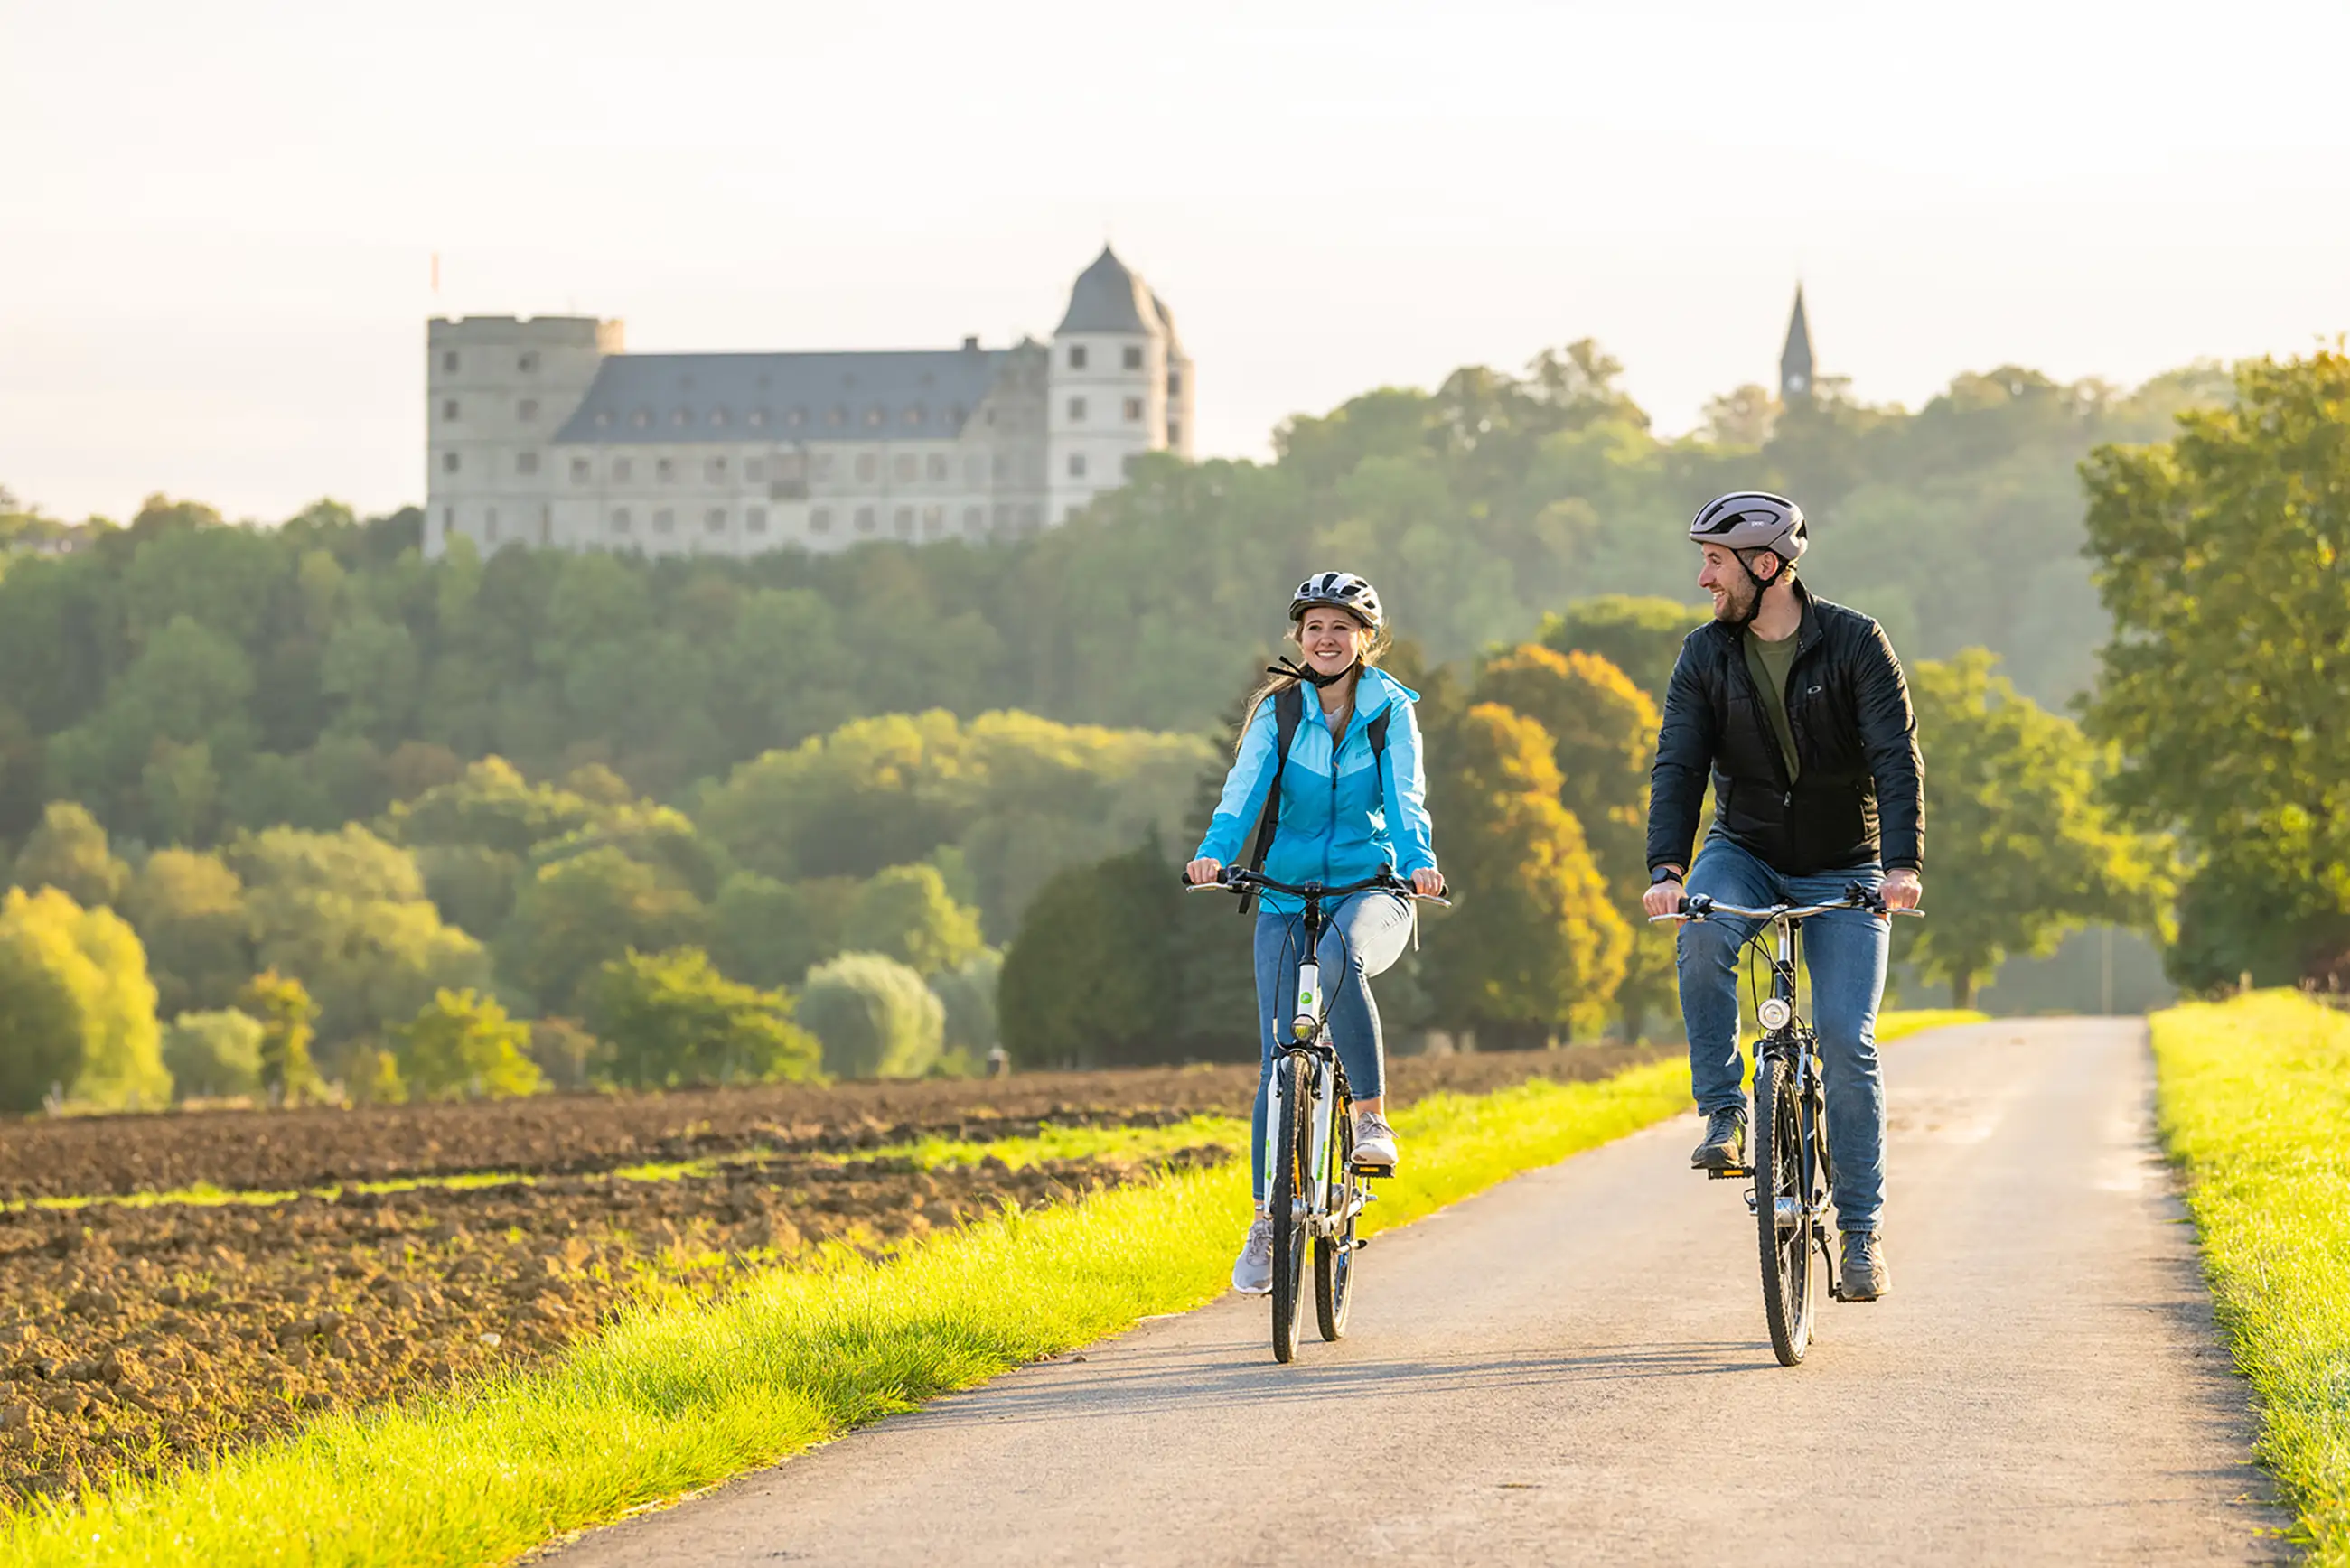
[[1775, 1013]]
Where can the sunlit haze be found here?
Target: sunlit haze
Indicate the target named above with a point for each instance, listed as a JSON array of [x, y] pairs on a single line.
[[217, 221]]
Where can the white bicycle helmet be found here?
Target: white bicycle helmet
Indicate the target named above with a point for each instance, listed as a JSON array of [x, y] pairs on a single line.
[[1338, 590], [1752, 520]]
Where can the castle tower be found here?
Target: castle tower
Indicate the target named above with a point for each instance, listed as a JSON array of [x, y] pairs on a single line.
[[1795, 359], [497, 387], [1114, 362]]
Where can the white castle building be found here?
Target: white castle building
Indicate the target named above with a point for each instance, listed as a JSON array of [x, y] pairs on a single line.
[[542, 431]]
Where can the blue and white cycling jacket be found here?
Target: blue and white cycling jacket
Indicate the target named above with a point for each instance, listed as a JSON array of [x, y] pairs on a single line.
[[1338, 822]]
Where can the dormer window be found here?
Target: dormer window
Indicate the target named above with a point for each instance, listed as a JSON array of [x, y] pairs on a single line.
[[682, 417], [913, 414], [758, 418], [641, 419], [955, 414], [1133, 357], [718, 418], [875, 415], [603, 418], [797, 417]]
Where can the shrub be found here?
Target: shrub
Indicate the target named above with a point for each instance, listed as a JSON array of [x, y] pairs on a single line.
[[671, 1019], [213, 1053], [875, 1016], [462, 1047]]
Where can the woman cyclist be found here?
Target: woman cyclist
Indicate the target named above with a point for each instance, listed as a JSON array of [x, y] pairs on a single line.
[[1348, 808]]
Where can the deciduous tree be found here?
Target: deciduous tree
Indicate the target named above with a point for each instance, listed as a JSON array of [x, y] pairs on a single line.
[[874, 1016]]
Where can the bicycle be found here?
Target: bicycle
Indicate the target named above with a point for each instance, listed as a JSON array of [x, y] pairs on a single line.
[[1312, 1180], [1790, 1123]]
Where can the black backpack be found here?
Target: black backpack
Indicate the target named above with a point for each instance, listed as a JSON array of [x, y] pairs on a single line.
[[1288, 712]]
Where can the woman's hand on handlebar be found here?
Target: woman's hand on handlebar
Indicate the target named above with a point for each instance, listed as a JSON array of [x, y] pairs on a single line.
[[1428, 882], [1202, 872]]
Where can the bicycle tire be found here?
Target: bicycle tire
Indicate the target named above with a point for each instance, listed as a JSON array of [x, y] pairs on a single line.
[[1283, 1202], [1781, 1177], [1334, 1255]]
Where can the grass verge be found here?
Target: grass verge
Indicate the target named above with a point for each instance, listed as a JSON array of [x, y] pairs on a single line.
[[2253, 1095], [678, 1396], [1892, 1026]]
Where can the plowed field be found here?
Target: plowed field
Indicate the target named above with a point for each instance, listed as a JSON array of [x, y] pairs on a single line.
[[135, 1336]]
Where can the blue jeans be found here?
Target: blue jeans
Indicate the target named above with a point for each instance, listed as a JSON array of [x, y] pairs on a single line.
[[1364, 935], [1844, 952]]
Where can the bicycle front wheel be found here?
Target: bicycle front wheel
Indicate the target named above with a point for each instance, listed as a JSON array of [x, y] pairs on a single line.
[[1286, 1202], [1334, 1255], [1783, 1209]]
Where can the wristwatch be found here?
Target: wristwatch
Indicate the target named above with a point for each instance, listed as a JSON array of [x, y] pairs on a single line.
[[1663, 874]]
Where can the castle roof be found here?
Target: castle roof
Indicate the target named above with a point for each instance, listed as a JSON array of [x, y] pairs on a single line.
[[891, 395], [1109, 298]]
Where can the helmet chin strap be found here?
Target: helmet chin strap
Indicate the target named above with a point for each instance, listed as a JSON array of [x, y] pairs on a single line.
[[1762, 586], [1307, 673]]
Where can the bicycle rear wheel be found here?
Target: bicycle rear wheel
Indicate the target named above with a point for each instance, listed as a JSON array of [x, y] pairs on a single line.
[[1334, 1255], [1783, 1209], [1286, 1204]]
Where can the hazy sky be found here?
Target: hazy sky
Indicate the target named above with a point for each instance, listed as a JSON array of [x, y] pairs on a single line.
[[216, 218]]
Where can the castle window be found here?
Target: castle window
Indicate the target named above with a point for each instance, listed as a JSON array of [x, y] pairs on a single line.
[[1174, 383], [1077, 465], [758, 418], [619, 519], [820, 519], [621, 469], [718, 418], [954, 415], [868, 467], [664, 469], [975, 519], [448, 462], [905, 521], [797, 417], [865, 520], [682, 417], [875, 414], [934, 520], [1133, 409], [641, 419], [1076, 355], [1076, 411], [526, 462], [1174, 432], [839, 416], [490, 526], [715, 471], [938, 465], [664, 521], [715, 520], [753, 471], [1133, 357], [449, 410], [448, 363], [529, 363], [907, 466], [755, 520], [579, 471], [913, 414]]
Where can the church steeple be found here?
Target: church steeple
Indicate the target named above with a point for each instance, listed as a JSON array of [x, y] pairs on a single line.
[[1795, 359]]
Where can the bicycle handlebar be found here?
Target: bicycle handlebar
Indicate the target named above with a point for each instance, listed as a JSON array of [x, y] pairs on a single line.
[[1240, 878], [1700, 908]]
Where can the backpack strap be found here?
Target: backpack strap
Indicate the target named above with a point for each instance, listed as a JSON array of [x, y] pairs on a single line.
[[1288, 712]]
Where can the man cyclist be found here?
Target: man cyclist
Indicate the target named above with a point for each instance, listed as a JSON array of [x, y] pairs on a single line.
[[1797, 710]]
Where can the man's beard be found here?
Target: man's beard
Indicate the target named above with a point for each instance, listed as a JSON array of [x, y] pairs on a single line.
[[1737, 606]]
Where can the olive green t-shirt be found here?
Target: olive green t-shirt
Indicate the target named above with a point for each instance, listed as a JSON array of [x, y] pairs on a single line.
[[1769, 662]]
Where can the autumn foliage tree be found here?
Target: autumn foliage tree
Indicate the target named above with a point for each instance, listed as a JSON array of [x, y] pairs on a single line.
[[1535, 948]]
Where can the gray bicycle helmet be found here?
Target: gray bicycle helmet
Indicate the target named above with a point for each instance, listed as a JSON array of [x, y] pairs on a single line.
[[1747, 520], [1339, 590]]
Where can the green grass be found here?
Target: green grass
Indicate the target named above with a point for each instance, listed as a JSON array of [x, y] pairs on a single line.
[[677, 1394], [1892, 1026], [2253, 1102]]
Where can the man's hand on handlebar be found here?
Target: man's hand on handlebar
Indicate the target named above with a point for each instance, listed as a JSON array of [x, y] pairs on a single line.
[[1202, 872], [1662, 898]]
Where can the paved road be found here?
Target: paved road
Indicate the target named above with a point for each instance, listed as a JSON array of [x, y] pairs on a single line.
[[1572, 1368]]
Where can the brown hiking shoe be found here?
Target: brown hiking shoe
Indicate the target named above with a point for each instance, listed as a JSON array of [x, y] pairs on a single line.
[[1864, 1274]]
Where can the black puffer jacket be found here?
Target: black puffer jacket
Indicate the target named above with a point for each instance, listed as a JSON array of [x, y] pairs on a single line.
[[1860, 793]]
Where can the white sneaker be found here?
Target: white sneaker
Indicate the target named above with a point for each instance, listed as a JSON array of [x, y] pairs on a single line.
[[1253, 1275], [1375, 1141]]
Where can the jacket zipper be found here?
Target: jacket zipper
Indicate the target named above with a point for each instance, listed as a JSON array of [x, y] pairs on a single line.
[[1778, 763]]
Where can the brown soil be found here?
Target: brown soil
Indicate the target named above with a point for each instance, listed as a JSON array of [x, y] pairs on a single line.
[[133, 1337], [278, 1150]]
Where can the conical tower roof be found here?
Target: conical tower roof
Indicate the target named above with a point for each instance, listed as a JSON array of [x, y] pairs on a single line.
[[1795, 359], [1109, 298]]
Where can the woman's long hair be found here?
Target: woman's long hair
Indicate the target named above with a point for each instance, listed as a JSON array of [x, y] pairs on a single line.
[[1275, 682]]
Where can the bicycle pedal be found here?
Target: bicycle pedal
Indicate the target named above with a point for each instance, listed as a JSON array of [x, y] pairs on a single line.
[[1731, 1173], [1376, 1172]]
